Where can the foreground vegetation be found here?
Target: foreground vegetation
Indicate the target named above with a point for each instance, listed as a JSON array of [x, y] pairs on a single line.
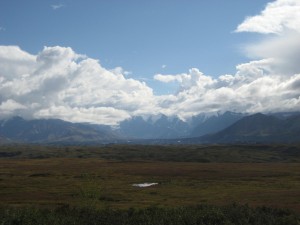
[[195, 184], [198, 215], [174, 153]]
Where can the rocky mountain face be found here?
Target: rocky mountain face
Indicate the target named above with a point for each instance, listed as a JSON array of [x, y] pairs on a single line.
[[163, 127], [154, 128]]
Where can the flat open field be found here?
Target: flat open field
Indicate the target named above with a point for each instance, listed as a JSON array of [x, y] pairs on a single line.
[[108, 183]]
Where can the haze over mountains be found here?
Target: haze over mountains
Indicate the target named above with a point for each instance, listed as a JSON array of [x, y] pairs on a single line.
[[228, 127]]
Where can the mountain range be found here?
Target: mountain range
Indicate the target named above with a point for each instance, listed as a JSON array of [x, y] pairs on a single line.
[[228, 127], [163, 127]]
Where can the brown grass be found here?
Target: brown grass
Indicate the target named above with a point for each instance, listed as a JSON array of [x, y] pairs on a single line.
[[104, 183]]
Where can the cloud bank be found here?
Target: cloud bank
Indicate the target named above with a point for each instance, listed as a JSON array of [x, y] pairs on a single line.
[[59, 83]]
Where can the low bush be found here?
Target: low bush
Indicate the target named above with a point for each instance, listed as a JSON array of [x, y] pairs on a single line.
[[193, 215]]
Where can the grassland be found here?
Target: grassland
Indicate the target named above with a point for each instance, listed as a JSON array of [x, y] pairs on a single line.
[[173, 153], [101, 178]]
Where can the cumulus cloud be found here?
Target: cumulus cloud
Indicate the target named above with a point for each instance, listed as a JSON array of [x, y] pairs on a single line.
[[187, 80], [11, 56], [59, 83], [256, 87]]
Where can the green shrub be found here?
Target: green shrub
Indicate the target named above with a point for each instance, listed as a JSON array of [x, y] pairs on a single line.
[[197, 215]]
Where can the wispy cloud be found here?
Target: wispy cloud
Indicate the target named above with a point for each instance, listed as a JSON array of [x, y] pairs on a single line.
[[57, 6], [2, 29]]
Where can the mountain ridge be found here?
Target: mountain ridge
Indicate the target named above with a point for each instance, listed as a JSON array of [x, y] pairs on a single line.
[[228, 127], [52, 131], [259, 128]]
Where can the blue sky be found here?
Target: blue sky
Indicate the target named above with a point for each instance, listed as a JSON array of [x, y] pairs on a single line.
[[142, 37], [105, 61]]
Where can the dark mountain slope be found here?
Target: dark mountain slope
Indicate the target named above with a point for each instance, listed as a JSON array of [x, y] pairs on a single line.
[[216, 123], [257, 124], [259, 128], [52, 131]]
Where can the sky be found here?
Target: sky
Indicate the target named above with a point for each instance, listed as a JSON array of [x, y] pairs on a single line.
[[105, 61]]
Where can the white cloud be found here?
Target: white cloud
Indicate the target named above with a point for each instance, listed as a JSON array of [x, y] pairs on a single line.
[[103, 115], [168, 78], [57, 6], [59, 83], [2, 29], [256, 87], [281, 18], [278, 17], [10, 56], [284, 49], [10, 107], [194, 77]]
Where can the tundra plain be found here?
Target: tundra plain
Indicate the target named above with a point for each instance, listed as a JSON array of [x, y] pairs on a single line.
[[103, 176]]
